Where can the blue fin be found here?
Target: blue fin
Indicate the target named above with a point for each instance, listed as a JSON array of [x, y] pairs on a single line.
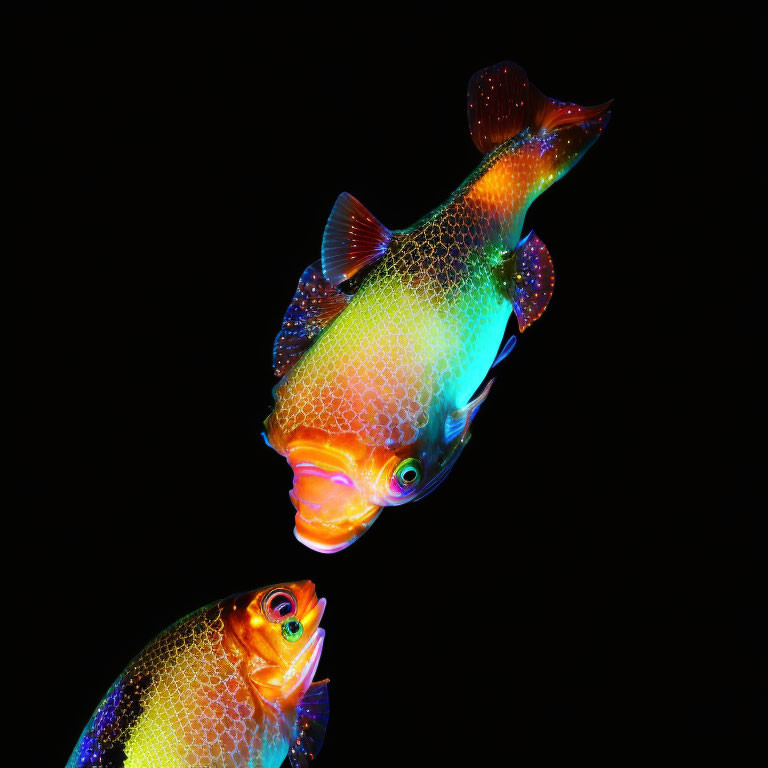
[[508, 347], [457, 424], [309, 729], [314, 305], [353, 239]]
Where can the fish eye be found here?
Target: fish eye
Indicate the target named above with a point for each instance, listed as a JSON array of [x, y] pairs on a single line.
[[407, 475], [279, 605], [292, 630]]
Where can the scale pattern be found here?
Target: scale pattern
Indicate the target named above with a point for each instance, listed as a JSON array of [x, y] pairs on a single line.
[[421, 333], [182, 703]]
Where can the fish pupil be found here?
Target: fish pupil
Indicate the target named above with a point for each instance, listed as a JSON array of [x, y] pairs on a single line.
[[280, 606], [292, 630], [283, 609]]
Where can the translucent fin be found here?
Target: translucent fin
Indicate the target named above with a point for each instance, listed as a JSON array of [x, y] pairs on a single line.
[[533, 277], [508, 347], [501, 102], [314, 305], [458, 423], [353, 239], [309, 729]]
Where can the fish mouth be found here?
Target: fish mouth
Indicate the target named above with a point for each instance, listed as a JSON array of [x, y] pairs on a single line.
[[298, 677], [302, 669], [331, 509]]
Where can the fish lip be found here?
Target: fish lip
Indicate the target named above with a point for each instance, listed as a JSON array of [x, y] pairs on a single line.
[[312, 460], [328, 539], [314, 614], [342, 520], [303, 668], [330, 461], [319, 546]]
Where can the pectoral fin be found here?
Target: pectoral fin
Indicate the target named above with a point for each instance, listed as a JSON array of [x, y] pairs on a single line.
[[314, 305], [508, 347], [528, 277], [458, 423], [310, 725]]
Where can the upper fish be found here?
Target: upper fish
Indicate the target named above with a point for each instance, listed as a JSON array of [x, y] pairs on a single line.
[[391, 334]]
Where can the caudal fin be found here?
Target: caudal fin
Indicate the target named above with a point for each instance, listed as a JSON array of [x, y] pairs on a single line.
[[501, 102]]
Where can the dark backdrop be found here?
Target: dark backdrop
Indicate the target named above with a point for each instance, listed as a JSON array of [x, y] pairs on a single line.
[[576, 587]]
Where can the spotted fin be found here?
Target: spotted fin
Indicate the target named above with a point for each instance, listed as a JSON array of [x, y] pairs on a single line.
[[314, 306], [353, 240], [529, 279], [458, 423], [310, 725], [501, 102]]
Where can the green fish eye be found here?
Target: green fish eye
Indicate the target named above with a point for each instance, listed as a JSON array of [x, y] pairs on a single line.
[[408, 474], [292, 630]]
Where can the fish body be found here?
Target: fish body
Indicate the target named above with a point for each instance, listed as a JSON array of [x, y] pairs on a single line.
[[391, 333], [229, 686]]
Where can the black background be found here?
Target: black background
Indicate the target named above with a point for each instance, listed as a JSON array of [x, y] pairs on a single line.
[[576, 588]]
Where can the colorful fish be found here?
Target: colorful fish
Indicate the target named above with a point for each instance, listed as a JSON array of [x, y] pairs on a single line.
[[389, 334], [228, 686]]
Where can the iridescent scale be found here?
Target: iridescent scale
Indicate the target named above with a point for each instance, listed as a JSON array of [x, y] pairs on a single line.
[[182, 703]]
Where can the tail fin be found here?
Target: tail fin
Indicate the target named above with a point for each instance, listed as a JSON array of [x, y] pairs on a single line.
[[501, 102]]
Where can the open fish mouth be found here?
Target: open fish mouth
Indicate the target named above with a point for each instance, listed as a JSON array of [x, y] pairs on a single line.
[[331, 510]]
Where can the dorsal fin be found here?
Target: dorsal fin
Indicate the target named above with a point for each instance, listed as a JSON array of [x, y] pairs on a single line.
[[501, 102], [529, 278], [353, 239], [314, 305]]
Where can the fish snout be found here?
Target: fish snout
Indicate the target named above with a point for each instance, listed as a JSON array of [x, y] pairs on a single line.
[[331, 510]]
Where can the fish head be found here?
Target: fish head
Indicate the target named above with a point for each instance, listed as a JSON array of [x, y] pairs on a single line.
[[341, 484], [278, 628]]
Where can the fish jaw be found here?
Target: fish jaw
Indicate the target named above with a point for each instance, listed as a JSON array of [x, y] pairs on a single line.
[[332, 511]]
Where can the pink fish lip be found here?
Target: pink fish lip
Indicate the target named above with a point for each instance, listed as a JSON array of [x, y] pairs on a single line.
[[308, 469], [303, 669]]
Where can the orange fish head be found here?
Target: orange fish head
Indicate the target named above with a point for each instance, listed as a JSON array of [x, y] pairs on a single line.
[[340, 483], [278, 628]]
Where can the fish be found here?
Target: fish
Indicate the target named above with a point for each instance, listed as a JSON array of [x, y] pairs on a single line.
[[228, 686], [385, 347]]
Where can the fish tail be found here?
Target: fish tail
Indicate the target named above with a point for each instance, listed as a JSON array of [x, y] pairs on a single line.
[[502, 102]]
